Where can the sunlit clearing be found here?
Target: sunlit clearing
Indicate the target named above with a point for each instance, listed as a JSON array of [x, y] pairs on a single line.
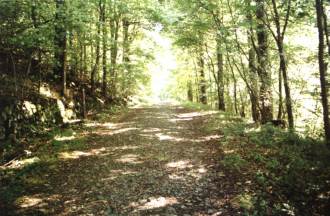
[[78, 154], [22, 163], [154, 203], [108, 125], [129, 158], [26, 202], [150, 130], [118, 131], [182, 164], [39, 200], [211, 137], [202, 170], [182, 174], [117, 128], [29, 107], [64, 138], [228, 151], [125, 147], [162, 66], [195, 114], [180, 119], [163, 137]]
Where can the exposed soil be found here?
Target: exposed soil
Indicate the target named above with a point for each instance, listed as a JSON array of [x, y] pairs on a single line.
[[149, 161]]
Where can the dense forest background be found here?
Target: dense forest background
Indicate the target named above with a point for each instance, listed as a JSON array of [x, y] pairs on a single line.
[[256, 59], [265, 61], [55, 53]]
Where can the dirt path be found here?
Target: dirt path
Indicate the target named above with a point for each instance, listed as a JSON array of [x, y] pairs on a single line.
[[149, 161]]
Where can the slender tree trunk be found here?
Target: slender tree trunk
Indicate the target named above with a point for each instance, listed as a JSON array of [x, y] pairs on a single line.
[[190, 93], [323, 69], [242, 111], [114, 25], [126, 53], [254, 88], [279, 37], [202, 81], [235, 84], [266, 99], [105, 47], [254, 91], [288, 100], [220, 85], [60, 45], [97, 54], [235, 94], [85, 59], [280, 97]]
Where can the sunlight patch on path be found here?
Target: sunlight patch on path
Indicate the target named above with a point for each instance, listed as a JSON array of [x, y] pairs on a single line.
[[163, 137], [78, 154], [154, 202], [195, 114], [18, 164], [129, 158], [182, 164], [40, 200]]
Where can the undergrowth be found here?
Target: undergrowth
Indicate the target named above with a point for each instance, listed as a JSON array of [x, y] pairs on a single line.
[[290, 172], [196, 106]]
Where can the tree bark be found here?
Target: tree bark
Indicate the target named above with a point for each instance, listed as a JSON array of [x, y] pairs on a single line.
[[60, 45], [280, 97], [126, 53], [279, 37], [264, 73], [97, 54], [114, 28], [254, 87], [202, 82], [220, 84], [190, 94], [105, 47], [323, 69]]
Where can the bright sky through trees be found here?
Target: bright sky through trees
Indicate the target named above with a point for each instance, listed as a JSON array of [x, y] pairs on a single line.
[[163, 64]]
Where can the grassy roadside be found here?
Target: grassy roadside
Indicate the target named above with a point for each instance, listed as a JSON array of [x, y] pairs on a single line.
[[278, 172]]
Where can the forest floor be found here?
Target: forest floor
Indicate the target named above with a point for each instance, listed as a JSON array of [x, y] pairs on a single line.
[[160, 160]]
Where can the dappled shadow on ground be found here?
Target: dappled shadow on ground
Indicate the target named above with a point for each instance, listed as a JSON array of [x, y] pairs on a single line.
[[152, 161]]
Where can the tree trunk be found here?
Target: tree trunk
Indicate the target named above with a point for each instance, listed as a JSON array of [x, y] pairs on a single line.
[[60, 45], [264, 73], [202, 82], [254, 88], [323, 69], [279, 37], [114, 28], [254, 93], [97, 54], [220, 85], [235, 93], [280, 97], [126, 53], [85, 58], [190, 94], [288, 100], [105, 47]]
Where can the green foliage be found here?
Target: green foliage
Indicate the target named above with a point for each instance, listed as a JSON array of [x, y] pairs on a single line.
[[234, 161], [234, 129], [196, 106], [293, 167]]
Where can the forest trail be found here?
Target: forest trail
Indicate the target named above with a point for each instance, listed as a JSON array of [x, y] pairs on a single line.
[[148, 161]]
